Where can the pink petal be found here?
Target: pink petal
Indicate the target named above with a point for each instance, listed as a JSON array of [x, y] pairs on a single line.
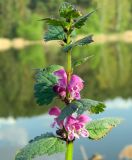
[[76, 81], [60, 123], [71, 136], [55, 111], [62, 77], [76, 78], [84, 133], [70, 120], [77, 96], [83, 119], [78, 126], [53, 124], [76, 135]]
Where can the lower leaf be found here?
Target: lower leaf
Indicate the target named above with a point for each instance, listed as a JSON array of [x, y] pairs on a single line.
[[41, 145], [99, 128]]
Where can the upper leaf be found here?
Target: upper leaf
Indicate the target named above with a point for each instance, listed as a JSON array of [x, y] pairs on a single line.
[[54, 33], [84, 41], [81, 20], [45, 144], [89, 105], [81, 61], [55, 22], [45, 80], [67, 111], [99, 128], [68, 11]]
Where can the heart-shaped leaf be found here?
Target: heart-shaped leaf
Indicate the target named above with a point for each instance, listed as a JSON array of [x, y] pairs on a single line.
[[54, 33], [45, 80]]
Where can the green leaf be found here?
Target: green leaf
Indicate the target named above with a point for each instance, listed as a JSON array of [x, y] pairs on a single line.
[[80, 61], [54, 33], [81, 42], [53, 68], [43, 88], [81, 20], [46, 144], [54, 22], [68, 11], [99, 128], [80, 106], [67, 111], [89, 105]]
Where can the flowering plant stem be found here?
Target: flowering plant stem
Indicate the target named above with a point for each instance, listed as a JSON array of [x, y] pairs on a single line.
[[69, 151], [69, 65]]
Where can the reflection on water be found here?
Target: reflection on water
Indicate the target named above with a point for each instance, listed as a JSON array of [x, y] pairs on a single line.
[[107, 77]]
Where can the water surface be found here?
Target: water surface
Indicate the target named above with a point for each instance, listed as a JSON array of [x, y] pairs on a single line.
[[107, 78]]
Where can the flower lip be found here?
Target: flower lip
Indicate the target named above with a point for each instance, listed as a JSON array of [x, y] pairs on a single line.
[[55, 111], [83, 118]]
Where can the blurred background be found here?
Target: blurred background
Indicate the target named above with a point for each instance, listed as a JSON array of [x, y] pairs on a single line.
[[107, 75]]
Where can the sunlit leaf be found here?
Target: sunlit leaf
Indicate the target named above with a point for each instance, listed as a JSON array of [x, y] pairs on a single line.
[[46, 144], [43, 88], [99, 128], [68, 11], [81, 20], [54, 33], [84, 41]]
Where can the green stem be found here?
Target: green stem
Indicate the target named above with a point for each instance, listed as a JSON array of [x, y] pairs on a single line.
[[69, 65], [69, 151]]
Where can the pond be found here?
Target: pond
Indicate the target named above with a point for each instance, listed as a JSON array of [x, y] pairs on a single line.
[[107, 77]]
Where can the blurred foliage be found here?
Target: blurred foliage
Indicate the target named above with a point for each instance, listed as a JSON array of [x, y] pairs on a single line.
[[107, 75], [30, 28], [19, 18]]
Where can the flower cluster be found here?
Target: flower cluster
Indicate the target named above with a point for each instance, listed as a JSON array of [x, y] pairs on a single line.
[[73, 87], [74, 127]]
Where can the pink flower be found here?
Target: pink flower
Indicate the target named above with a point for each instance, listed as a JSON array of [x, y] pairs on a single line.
[[55, 111], [74, 126], [74, 87]]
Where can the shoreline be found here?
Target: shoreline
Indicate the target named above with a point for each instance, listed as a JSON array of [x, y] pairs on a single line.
[[19, 43]]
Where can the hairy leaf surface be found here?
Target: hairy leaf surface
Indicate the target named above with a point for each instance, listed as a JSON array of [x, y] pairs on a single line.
[[43, 88], [54, 33], [89, 105], [46, 144], [68, 11], [55, 22], [99, 128]]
